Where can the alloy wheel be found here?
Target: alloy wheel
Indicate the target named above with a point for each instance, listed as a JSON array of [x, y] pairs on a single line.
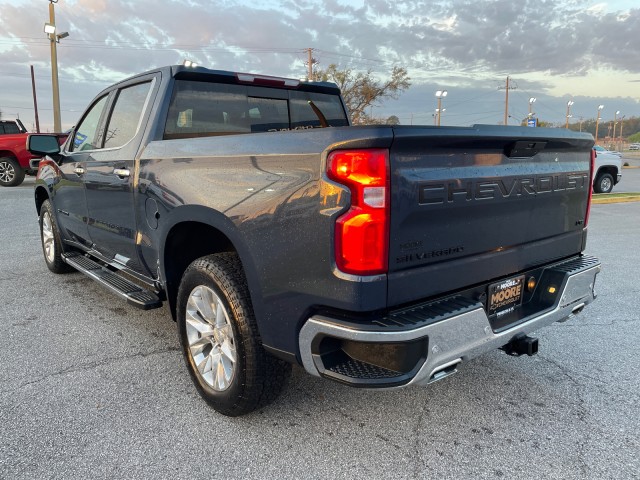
[[7, 172], [210, 336], [48, 242]]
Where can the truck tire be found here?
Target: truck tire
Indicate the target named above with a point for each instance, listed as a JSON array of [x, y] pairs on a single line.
[[603, 183], [50, 238], [11, 173], [220, 340]]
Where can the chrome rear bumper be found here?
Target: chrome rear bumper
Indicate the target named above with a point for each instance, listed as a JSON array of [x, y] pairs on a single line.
[[449, 339]]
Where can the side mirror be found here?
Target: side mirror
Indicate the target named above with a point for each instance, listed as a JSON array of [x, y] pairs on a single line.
[[43, 145]]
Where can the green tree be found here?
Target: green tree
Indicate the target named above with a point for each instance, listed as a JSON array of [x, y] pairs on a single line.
[[361, 90], [392, 120], [629, 126]]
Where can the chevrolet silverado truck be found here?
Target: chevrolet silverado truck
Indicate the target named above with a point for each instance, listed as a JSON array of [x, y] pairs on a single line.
[[374, 256]]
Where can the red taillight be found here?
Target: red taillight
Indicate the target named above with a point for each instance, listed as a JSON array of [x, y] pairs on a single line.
[[362, 233], [590, 186]]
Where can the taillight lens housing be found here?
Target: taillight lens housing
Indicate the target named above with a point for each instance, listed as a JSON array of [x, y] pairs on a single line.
[[362, 233], [590, 187]]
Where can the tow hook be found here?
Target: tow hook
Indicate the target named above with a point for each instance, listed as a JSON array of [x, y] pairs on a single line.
[[521, 345]]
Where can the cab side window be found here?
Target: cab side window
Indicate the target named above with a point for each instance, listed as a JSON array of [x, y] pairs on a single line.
[[126, 114], [87, 136]]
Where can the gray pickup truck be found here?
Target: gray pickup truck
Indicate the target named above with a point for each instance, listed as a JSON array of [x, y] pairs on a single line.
[[375, 256]]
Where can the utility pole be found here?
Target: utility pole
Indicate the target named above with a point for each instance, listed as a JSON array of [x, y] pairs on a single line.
[[310, 63], [506, 99], [35, 99], [506, 103]]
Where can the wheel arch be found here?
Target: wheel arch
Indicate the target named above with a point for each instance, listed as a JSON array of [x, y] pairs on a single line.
[[8, 153], [196, 231], [610, 169], [40, 195]]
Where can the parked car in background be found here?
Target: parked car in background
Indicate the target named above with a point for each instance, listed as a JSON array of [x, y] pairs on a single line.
[[15, 159], [608, 170], [634, 146]]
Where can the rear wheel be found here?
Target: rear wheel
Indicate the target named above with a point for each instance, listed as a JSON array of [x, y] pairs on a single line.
[[603, 183], [11, 173], [51, 243], [220, 340]]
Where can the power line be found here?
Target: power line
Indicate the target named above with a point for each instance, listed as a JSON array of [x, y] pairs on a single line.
[[39, 108]]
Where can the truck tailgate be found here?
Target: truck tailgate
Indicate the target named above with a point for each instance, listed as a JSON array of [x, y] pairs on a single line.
[[474, 204]]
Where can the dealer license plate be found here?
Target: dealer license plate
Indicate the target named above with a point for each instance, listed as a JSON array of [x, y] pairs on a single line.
[[504, 296]]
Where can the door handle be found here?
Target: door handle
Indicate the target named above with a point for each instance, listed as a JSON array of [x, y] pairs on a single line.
[[78, 171], [122, 172]]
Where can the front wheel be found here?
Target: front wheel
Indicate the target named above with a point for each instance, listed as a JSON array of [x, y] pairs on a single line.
[[11, 173], [50, 237], [603, 183], [220, 340]]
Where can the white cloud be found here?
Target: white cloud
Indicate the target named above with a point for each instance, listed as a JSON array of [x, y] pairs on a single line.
[[464, 43]]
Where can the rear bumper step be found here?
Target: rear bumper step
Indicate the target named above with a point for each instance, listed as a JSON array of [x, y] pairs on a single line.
[[129, 291], [426, 343]]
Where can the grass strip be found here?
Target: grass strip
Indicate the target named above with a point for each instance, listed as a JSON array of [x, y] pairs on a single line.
[[599, 198]]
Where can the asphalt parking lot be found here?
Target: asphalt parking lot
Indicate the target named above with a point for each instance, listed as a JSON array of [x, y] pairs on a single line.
[[93, 388], [630, 175]]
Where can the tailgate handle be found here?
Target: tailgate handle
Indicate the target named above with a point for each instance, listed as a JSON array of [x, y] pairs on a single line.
[[524, 148]]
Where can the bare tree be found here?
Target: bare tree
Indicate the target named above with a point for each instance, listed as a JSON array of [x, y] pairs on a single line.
[[361, 90]]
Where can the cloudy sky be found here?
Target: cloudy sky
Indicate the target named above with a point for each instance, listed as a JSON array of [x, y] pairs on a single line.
[[554, 50]]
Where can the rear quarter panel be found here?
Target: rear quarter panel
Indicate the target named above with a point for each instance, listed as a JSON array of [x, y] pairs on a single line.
[[269, 194]]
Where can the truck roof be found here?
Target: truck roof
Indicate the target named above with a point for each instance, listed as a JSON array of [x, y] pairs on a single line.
[[226, 76]]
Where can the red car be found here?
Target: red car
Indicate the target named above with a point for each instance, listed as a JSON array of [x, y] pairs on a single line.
[[15, 159]]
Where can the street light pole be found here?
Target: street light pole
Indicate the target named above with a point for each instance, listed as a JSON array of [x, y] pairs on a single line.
[[532, 100], [615, 122], [57, 124], [600, 107], [569, 103], [439, 95]]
